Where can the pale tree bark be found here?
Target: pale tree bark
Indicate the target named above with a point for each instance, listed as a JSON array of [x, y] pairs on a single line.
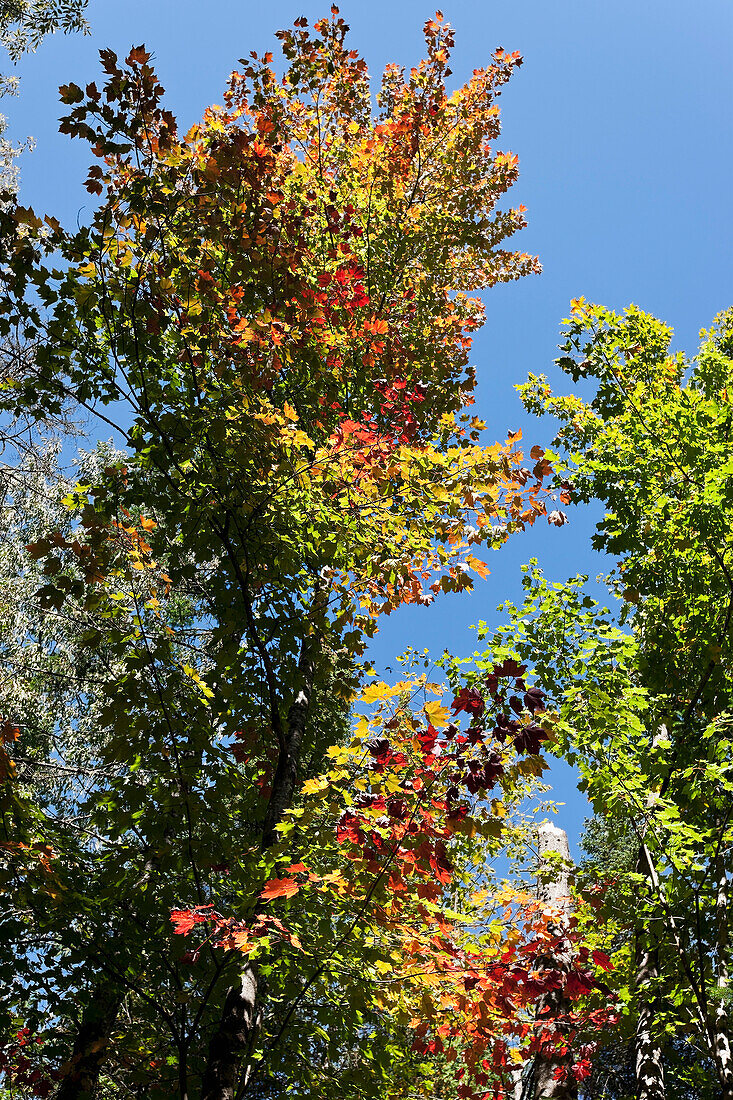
[[233, 1037], [721, 1021], [649, 1062], [517, 1089], [554, 889]]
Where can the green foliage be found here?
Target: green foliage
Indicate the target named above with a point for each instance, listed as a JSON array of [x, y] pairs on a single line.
[[25, 23], [644, 709]]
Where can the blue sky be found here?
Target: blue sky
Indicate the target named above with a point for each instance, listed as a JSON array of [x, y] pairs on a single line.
[[621, 120]]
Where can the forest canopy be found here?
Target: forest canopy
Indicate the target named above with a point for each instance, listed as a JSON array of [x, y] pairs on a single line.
[[235, 861]]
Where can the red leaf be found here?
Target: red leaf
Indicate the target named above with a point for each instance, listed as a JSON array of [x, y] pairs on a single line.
[[600, 958], [139, 54], [185, 919], [469, 700]]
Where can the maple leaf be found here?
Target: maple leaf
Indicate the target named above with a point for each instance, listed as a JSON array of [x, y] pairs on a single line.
[[529, 739], [600, 958], [138, 55], [184, 920], [534, 699], [470, 700], [279, 888], [510, 667], [435, 712]]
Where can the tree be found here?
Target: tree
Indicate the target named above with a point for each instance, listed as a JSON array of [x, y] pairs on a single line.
[[23, 25], [274, 313], [644, 705]]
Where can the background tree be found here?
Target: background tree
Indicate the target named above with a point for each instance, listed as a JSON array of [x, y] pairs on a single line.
[[23, 25], [644, 711]]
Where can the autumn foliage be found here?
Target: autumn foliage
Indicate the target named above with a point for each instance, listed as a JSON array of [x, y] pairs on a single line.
[[281, 873]]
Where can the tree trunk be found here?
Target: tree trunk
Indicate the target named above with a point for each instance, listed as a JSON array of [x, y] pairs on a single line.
[[100, 1016], [649, 1060], [233, 1037], [649, 1063], [90, 1047], [240, 1019], [721, 1022], [554, 891]]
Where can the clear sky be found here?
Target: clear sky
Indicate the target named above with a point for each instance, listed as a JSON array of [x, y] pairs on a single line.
[[621, 120]]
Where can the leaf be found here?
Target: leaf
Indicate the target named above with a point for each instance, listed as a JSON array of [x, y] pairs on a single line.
[[600, 958], [138, 55], [469, 700], [279, 888], [436, 713], [316, 785], [71, 93], [375, 693], [184, 920], [478, 566]]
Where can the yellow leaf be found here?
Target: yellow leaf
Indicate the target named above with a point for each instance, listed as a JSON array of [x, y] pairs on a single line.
[[302, 439], [314, 786], [373, 693], [437, 714]]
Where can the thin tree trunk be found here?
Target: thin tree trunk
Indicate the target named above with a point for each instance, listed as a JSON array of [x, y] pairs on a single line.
[[240, 1019], [555, 891], [286, 773], [721, 1023], [649, 1061], [99, 1018]]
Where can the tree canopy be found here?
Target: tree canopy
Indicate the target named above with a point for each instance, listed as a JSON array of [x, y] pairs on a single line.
[[234, 862], [274, 312]]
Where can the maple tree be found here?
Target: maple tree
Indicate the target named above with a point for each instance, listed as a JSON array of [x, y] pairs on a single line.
[[274, 313]]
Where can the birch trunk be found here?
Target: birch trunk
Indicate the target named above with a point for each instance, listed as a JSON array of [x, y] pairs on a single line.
[[721, 1022], [554, 891], [649, 1062]]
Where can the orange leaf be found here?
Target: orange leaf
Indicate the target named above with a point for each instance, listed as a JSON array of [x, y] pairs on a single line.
[[279, 888], [479, 566]]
